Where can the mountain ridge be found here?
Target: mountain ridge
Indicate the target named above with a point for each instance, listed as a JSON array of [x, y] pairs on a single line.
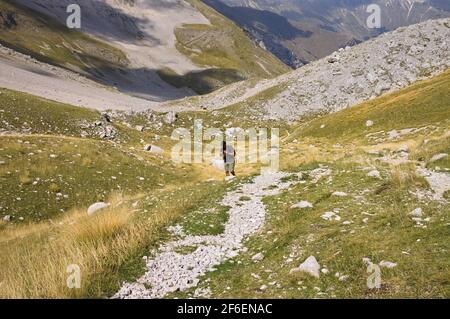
[[348, 76]]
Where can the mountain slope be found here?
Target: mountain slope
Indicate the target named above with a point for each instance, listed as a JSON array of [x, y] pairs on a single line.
[[127, 45], [384, 64], [49, 176], [329, 24]]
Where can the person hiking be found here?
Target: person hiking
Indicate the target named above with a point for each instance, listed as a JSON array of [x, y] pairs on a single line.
[[229, 155]]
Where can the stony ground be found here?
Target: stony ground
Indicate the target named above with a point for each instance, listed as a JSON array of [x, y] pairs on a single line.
[[171, 271], [347, 77]]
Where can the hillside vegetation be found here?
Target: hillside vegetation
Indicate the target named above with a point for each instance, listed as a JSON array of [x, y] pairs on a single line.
[[43, 38], [357, 217], [224, 49]]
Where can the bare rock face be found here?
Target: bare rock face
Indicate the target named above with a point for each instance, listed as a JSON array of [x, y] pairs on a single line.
[[384, 64]]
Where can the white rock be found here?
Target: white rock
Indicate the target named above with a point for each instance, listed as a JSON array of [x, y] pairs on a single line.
[[344, 278], [374, 173], [256, 276], [438, 157], [339, 194], [331, 216], [7, 218], [418, 212], [258, 257], [369, 123], [96, 207], [393, 134], [388, 264], [310, 266], [302, 204]]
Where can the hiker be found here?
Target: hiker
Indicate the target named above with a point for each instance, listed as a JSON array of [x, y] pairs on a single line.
[[229, 155]]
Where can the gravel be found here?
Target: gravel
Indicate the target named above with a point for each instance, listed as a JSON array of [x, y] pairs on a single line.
[[171, 271]]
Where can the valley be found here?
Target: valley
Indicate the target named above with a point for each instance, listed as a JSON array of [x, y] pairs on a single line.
[[357, 207]]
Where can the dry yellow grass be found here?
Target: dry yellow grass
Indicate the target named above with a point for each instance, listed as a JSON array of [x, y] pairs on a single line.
[[35, 257], [404, 176]]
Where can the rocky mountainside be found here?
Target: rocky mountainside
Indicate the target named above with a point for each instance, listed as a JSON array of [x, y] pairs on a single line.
[[347, 77], [323, 26]]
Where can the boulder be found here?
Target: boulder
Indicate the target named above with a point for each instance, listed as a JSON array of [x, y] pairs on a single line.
[[302, 204], [258, 257], [418, 212], [7, 218], [374, 173], [309, 266], [369, 123], [96, 207]]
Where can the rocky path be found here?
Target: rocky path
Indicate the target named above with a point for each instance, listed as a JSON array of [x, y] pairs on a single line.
[[171, 271]]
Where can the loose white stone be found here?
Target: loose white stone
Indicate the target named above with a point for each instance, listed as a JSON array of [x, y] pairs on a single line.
[[331, 216], [309, 266], [96, 207], [339, 194], [418, 212], [258, 257], [438, 157], [302, 204], [374, 173], [388, 264]]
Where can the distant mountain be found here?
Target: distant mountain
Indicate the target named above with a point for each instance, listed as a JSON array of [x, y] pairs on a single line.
[[153, 49], [347, 77], [316, 28]]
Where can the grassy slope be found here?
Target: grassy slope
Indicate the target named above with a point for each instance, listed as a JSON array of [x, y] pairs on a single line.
[[225, 48], [114, 253], [389, 233], [47, 40], [48, 177]]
